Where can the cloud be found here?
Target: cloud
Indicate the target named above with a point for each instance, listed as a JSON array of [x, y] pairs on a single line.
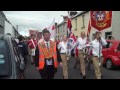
[[33, 19]]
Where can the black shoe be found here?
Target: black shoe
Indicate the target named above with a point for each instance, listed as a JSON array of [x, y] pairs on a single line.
[[101, 76], [74, 67], [84, 77]]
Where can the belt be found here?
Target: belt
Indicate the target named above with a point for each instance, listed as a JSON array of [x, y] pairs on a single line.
[[48, 58], [98, 57], [80, 50], [62, 53], [95, 56]]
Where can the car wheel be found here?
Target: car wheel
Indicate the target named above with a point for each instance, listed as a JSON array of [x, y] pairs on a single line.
[[109, 64]]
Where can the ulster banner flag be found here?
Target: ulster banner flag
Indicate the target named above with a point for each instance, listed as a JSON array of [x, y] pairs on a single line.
[[101, 20]]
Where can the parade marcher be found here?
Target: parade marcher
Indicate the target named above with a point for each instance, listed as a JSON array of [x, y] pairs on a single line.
[[97, 53], [32, 44], [39, 37], [57, 41], [47, 57], [81, 42], [23, 48], [77, 61], [29, 51], [62, 46], [88, 54]]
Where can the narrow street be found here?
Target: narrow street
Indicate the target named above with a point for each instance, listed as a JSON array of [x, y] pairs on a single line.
[[32, 73]]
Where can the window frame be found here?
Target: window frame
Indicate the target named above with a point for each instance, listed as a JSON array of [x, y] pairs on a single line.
[[83, 22], [75, 23], [118, 47]]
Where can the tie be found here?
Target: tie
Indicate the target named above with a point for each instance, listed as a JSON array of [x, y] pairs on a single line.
[[47, 45]]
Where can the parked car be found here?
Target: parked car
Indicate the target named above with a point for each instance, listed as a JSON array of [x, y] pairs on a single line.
[[111, 54], [10, 58]]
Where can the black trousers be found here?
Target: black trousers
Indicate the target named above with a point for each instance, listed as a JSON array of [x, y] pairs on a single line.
[[25, 59], [48, 72]]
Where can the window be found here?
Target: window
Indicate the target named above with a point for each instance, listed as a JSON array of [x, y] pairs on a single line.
[[118, 47], [108, 35], [56, 38], [76, 24], [58, 29], [63, 27], [0, 20], [83, 20], [93, 36], [5, 64]]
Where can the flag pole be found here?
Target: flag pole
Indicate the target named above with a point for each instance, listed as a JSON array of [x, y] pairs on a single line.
[[67, 26], [99, 45]]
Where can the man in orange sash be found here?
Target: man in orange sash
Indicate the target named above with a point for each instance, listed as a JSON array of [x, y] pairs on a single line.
[[47, 57]]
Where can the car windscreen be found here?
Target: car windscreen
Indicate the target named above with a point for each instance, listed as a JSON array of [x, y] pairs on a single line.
[[109, 44], [5, 61]]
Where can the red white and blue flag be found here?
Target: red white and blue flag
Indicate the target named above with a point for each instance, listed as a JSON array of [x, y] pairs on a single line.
[[71, 42], [72, 38]]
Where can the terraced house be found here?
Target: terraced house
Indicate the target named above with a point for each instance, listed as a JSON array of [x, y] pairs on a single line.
[[80, 23]]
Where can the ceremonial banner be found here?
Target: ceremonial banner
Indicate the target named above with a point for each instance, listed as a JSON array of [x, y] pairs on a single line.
[[33, 32], [101, 20]]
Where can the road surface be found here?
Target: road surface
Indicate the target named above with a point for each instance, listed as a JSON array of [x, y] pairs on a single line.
[[32, 73]]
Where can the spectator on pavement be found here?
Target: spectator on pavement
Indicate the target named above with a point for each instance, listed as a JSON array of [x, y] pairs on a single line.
[[23, 48]]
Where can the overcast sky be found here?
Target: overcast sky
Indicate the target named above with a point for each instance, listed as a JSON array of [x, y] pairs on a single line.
[[33, 19]]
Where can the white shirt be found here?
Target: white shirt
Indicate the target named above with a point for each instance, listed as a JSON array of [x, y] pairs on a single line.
[[81, 42], [48, 62], [96, 49], [63, 46], [46, 44]]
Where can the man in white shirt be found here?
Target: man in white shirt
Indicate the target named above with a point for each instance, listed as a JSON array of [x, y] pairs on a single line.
[[97, 53], [62, 46], [81, 42]]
